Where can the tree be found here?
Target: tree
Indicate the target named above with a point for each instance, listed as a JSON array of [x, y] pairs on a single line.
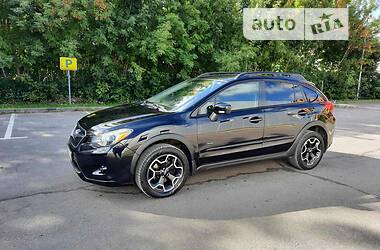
[[130, 49]]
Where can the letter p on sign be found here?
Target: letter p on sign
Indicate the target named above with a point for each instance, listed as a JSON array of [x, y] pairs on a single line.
[[68, 63]]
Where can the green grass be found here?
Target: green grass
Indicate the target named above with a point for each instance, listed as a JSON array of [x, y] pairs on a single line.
[[53, 105]]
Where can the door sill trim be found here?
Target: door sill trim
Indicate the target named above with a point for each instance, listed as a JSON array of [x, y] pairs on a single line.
[[244, 160]]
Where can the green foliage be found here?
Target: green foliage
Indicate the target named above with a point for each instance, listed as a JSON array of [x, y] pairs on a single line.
[[130, 49]]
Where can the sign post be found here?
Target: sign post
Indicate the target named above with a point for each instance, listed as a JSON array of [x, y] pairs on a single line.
[[68, 64], [68, 81]]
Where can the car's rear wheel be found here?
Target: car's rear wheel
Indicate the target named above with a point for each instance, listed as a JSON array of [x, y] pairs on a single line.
[[161, 170], [308, 152]]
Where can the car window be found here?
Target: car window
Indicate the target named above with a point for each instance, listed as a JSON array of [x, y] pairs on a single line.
[[239, 96], [299, 96], [184, 94], [279, 93], [312, 96]]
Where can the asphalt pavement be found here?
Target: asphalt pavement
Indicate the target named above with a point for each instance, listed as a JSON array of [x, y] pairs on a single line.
[[261, 205]]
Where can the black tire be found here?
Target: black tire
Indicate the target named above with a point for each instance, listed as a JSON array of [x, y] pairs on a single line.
[[297, 160], [145, 176]]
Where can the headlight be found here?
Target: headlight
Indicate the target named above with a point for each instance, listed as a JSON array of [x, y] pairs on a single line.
[[109, 138]]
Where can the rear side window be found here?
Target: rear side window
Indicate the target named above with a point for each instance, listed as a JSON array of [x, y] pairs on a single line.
[[312, 96], [299, 96], [279, 93]]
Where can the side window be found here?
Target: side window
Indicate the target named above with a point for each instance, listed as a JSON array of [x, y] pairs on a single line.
[[279, 93], [312, 96], [299, 96], [239, 96]]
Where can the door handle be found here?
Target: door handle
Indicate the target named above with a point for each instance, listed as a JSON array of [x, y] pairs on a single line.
[[301, 112], [225, 120], [255, 119]]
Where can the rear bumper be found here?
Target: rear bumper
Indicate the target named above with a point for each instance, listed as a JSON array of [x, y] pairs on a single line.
[[330, 130], [111, 167], [330, 138]]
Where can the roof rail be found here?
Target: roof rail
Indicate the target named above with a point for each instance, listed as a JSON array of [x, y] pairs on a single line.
[[218, 73], [283, 74]]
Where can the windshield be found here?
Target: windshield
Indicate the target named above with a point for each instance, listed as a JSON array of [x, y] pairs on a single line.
[[184, 94]]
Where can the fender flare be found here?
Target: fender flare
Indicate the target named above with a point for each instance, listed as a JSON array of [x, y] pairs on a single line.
[[157, 138], [302, 132]]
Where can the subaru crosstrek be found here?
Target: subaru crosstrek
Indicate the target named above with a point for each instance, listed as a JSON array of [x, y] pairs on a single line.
[[213, 120]]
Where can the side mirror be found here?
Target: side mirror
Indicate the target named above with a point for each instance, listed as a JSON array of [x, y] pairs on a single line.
[[222, 108], [219, 108]]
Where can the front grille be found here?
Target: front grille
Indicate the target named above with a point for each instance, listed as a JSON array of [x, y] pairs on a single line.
[[77, 135]]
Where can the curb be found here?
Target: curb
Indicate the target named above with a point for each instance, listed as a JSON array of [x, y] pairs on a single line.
[[47, 110], [345, 106]]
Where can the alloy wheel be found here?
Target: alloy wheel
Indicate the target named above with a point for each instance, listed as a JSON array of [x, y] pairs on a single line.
[[165, 173], [311, 151]]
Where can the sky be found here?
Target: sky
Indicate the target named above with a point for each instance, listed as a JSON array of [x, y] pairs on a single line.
[[377, 11]]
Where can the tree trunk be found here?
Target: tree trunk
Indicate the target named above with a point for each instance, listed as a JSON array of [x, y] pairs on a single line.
[[2, 69]]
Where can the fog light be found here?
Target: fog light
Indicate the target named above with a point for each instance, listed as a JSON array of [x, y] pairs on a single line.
[[100, 171]]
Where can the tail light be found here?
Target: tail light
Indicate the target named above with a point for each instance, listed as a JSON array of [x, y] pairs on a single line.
[[329, 106]]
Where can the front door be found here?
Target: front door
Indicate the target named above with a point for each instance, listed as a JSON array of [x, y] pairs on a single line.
[[237, 132]]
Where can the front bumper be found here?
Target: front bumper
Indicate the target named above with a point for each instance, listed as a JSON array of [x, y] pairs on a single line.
[[111, 167]]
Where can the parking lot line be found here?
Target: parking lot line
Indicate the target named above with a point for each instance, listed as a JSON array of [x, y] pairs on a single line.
[[8, 132], [11, 122]]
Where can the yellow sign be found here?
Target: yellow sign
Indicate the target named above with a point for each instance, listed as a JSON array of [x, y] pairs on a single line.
[[68, 63]]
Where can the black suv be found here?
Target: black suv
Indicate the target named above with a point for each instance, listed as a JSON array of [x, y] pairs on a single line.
[[212, 120]]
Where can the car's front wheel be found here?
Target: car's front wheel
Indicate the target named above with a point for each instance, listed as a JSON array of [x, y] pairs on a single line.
[[161, 170], [308, 152]]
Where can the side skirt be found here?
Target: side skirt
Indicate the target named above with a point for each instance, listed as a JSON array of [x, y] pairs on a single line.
[[244, 160]]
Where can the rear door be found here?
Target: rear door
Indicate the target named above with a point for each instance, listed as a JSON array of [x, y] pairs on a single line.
[[286, 113]]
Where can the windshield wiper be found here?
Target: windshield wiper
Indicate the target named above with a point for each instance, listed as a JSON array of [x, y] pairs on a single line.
[[154, 105]]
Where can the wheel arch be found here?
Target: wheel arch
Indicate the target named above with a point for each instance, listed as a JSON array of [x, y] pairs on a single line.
[[172, 139], [322, 132], [316, 126]]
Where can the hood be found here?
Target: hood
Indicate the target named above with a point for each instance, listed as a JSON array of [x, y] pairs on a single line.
[[115, 116]]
